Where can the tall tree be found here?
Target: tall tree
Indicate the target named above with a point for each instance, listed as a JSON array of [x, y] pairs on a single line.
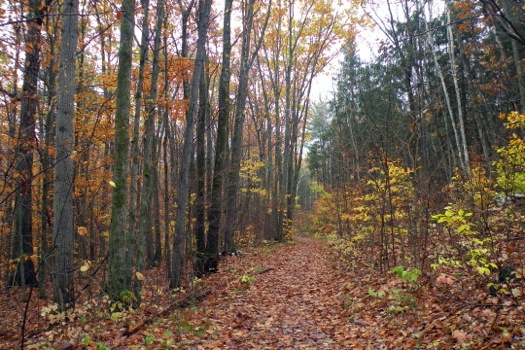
[[248, 56], [460, 118], [135, 218], [240, 105], [47, 127], [120, 251], [64, 231], [458, 135], [187, 151], [215, 210], [200, 163], [146, 207], [23, 220]]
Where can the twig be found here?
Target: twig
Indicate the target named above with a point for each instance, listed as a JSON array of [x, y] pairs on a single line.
[[189, 300], [263, 271], [24, 320]]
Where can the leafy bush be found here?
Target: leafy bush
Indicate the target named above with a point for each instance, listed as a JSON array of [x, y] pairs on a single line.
[[408, 275]]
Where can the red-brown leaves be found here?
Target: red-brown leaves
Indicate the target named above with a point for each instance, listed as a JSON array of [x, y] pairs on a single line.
[[290, 297]]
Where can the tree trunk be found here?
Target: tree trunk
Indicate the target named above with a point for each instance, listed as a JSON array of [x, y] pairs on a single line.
[[120, 251], [48, 127], [215, 211], [200, 178], [23, 218], [457, 139], [183, 185], [135, 217], [146, 209], [233, 186], [64, 231], [169, 164], [157, 254], [461, 120], [246, 60]]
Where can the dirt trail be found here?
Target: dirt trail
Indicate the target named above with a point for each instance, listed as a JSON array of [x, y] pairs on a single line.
[[303, 302], [295, 305], [286, 296]]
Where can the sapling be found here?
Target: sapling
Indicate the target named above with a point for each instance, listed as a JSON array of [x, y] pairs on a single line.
[[410, 276]]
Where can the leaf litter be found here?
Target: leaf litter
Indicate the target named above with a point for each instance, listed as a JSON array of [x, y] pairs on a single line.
[[296, 295]]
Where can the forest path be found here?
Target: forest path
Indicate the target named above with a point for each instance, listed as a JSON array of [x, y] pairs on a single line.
[[281, 296], [289, 300]]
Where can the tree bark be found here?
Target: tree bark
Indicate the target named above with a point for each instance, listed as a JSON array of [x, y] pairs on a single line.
[[23, 217], [135, 217], [200, 200], [146, 210], [47, 159], [120, 251], [215, 211], [64, 231], [183, 185]]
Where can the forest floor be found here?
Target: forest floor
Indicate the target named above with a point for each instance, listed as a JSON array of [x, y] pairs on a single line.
[[281, 296]]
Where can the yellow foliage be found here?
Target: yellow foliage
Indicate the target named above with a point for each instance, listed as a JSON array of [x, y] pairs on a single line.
[[511, 164], [250, 170], [514, 120]]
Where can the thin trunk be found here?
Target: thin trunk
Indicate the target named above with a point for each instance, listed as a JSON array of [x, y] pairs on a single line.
[[447, 97], [157, 254], [47, 161], [183, 185], [135, 218], [215, 211], [168, 164], [200, 200], [461, 120], [288, 126], [145, 225], [233, 186], [144, 252], [269, 224], [81, 202], [478, 117]]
